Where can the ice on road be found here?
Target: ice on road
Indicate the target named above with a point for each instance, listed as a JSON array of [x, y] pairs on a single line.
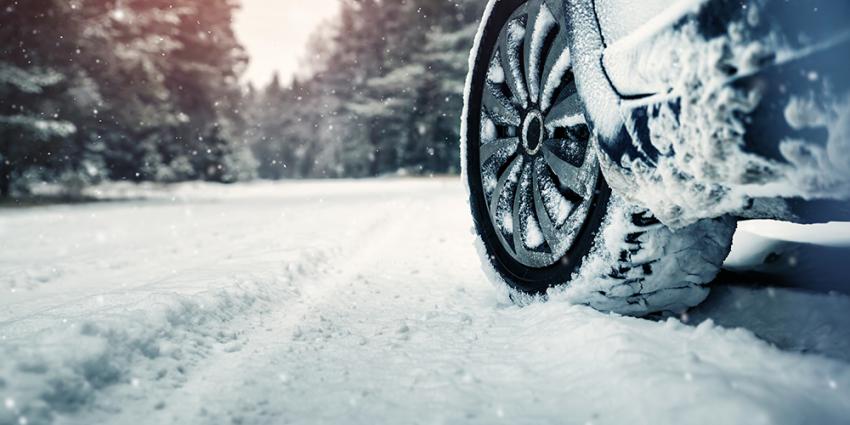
[[361, 303]]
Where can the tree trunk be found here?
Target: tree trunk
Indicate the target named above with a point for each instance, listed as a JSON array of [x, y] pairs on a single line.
[[5, 184]]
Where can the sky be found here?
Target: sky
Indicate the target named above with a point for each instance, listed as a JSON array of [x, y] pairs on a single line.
[[275, 34]]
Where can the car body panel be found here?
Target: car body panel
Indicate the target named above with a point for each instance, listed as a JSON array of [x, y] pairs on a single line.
[[744, 64], [619, 19], [635, 61]]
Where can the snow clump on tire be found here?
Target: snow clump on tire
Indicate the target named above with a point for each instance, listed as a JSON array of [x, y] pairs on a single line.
[[637, 265]]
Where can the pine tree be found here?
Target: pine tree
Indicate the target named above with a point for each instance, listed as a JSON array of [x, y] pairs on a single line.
[[121, 89], [385, 94], [33, 127]]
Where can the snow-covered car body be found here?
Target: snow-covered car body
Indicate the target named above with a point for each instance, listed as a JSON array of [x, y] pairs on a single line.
[[609, 146], [709, 107]]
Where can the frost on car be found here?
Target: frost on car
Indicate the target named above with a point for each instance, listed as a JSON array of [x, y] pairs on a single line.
[[609, 146]]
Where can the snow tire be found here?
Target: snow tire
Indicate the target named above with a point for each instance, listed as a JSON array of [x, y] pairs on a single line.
[[617, 257]]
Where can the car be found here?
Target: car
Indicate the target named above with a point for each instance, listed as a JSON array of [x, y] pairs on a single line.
[[609, 147]]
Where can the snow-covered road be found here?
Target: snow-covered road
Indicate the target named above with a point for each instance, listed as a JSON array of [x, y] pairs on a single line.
[[363, 302]]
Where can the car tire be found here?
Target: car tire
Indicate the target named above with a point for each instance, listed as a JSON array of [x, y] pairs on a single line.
[[546, 223]]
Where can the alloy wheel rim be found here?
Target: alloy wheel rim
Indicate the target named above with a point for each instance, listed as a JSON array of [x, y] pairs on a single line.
[[538, 170]]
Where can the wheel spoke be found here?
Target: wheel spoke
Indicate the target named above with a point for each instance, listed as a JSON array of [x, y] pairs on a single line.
[[567, 112], [502, 184], [540, 24], [555, 7], [521, 190], [543, 219], [511, 42], [575, 178], [558, 206], [554, 70], [499, 108], [492, 147]]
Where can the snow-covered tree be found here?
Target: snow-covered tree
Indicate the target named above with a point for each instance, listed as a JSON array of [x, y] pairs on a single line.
[[34, 128], [384, 94], [121, 89]]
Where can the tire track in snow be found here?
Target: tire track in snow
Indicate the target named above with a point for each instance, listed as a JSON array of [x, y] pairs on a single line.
[[158, 337], [280, 320], [282, 323], [146, 334]]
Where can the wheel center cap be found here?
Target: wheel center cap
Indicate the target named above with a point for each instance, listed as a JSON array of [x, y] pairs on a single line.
[[532, 132]]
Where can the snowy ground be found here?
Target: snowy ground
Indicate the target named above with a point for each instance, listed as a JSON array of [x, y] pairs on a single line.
[[363, 302]]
